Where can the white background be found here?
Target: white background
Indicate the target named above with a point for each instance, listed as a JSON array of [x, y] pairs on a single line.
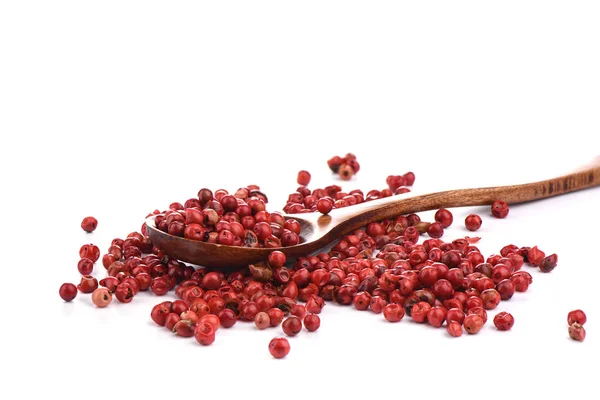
[[116, 108]]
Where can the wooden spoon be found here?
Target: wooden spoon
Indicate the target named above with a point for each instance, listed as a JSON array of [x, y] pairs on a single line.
[[320, 230]]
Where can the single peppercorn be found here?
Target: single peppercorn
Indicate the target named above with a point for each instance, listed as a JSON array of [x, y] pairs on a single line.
[[503, 321], [303, 178], [576, 316], [101, 297], [454, 329], [227, 317], [279, 347], [499, 209], [275, 316], [436, 316], [88, 284], [262, 320], [335, 163], [535, 256], [419, 311], [435, 230], [473, 323], [171, 320], [277, 259], [292, 326], [160, 312], [312, 322], [345, 172], [548, 263], [491, 298], [67, 291], [85, 266], [324, 205], [90, 251], [204, 333], [89, 224], [473, 222], [577, 332], [478, 311], [393, 312], [444, 217]]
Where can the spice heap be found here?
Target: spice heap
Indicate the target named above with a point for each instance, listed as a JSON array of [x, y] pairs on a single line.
[[323, 200], [381, 267]]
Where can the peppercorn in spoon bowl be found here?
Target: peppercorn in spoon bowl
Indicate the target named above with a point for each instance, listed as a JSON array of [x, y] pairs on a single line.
[[318, 230]]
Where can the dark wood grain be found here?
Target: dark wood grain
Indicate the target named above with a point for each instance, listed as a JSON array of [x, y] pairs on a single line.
[[320, 230]]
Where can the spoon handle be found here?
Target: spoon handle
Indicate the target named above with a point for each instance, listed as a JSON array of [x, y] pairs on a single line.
[[350, 218]]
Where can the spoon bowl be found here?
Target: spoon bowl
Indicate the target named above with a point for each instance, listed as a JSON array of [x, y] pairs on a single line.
[[317, 230]]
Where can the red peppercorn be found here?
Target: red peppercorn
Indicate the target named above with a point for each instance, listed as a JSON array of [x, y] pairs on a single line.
[[548, 263], [393, 312], [298, 310], [279, 347], [428, 276], [107, 260], [211, 281], [473, 323], [535, 256], [435, 230], [90, 251], [478, 311], [315, 304], [436, 316], [292, 325], [303, 178], [190, 316], [204, 333], [85, 266], [171, 320], [277, 259], [444, 217], [503, 321], [227, 318], [249, 310], [159, 286], [262, 320], [312, 322], [184, 328], [160, 312], [89, 224], [499, 209], [506, 288], [443, 289], [377, 304], [576, 316], [211, 319], [345, 172], [179, 306], [409, 178], [324, 205], [419, 311], [101, 297], [67, 291], [522, 280], [275, 316], [362, 301], [455, 314], [473, 222], [577, 332], [454, 329], [88, 284], [491, 298], [124, 293]]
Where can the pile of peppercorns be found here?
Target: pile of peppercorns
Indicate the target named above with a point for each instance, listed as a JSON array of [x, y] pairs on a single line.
[[381, 267]]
